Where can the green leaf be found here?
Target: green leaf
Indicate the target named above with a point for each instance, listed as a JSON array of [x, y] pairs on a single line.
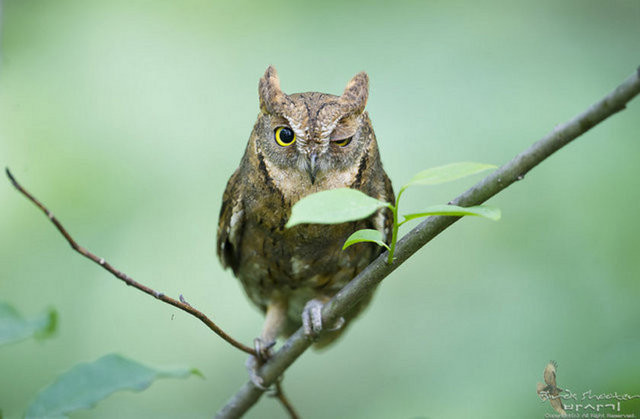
[[14, 327], [491, 213], [448, 173], [333, 207], [86, 384], [366, 235]]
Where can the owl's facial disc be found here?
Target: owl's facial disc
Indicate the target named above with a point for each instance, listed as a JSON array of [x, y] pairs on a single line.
[[318, 134]]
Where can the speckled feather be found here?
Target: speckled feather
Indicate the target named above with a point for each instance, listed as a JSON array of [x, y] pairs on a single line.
[[306, 261]]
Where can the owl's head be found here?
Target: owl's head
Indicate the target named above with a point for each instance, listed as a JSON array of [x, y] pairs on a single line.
[[315, 134]]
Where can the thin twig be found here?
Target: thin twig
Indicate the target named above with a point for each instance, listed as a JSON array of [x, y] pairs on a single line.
[[182, 304], [279, 394], [379, 269]]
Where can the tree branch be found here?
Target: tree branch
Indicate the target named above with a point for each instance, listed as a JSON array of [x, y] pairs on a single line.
[[182, 304], [362, 284]]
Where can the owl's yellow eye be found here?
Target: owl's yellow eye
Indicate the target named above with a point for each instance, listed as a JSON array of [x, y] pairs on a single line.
[[343, 143], [284, 136]]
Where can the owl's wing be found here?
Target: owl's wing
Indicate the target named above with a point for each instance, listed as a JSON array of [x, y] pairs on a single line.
[[550, 374], [230, 224]]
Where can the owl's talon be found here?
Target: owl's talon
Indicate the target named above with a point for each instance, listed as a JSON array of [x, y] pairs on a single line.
[[338, 325], [312, 318], [252, 365], [263, 349]]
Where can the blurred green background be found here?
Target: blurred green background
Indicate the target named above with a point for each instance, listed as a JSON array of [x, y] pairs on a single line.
[[128, 117]]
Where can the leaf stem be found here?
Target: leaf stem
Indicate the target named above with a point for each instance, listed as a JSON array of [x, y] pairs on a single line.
[[396, 225]]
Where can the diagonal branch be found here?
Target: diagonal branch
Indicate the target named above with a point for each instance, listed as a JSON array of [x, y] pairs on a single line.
[[182, 304], [361, 285]]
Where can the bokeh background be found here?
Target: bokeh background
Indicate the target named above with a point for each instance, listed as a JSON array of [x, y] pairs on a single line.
[[128, 117]]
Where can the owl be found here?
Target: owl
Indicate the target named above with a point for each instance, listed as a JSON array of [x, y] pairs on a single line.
[[301, 144]]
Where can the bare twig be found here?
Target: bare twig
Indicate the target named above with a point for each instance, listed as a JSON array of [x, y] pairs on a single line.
[[182, 304], [362, 284], [279, 394]]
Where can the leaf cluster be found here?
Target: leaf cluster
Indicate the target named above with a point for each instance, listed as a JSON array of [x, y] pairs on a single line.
[[343, 205]]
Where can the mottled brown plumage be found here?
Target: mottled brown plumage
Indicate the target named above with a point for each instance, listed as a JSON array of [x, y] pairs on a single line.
[[282, 269]]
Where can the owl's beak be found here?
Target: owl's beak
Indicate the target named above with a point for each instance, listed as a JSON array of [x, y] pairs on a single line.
[[312, 167]]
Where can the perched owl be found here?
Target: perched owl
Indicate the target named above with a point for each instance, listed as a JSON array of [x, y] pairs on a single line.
[[301, 144]]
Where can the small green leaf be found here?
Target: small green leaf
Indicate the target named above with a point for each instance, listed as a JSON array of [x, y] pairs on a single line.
[[448, 173], [366, 235], [333, 207], [14, 327], [86, 384], [491, 213]]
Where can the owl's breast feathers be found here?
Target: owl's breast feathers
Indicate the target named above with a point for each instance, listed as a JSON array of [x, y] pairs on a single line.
[[266, 257]]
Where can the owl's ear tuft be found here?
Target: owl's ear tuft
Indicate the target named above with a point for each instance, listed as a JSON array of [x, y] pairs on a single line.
[[356, 93], [272, 99]]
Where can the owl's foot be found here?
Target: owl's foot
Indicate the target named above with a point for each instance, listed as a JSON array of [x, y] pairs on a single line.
[[312, 319], [254, 362], [252, 365], [263, 349]]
